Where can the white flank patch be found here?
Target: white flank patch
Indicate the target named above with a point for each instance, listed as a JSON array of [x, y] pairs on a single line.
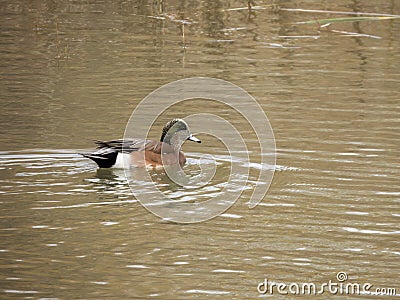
[[123, 161]]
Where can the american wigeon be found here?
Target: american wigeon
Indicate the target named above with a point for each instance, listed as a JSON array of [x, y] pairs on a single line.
[[140, 153]]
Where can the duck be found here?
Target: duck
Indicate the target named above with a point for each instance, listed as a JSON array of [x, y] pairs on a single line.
[[125, 153]]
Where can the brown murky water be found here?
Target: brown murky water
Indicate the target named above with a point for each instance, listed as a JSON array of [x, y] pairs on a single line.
[[73, 71]]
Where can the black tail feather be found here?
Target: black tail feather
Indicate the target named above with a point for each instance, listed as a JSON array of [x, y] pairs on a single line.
[[103, 159]]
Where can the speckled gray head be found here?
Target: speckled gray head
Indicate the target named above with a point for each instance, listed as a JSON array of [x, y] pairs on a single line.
[[176, 131]]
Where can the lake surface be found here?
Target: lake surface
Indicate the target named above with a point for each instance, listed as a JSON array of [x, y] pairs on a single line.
[[73, 71]]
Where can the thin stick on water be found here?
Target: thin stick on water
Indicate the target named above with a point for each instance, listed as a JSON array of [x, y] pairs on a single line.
[[183, 35]]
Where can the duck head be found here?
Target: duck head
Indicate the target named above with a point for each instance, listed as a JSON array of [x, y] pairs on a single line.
[[176, 132]]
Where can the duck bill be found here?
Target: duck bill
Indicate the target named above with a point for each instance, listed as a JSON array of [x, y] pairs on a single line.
[[193, 139]]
